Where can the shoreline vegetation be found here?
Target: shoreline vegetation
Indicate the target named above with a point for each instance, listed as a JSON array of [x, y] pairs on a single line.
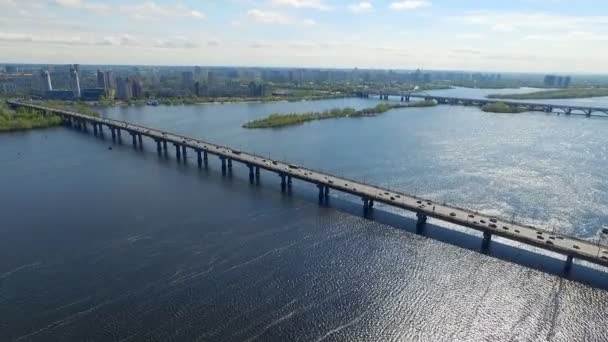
[[501, 107], [570, 93], [176, 101], [24, 119], [282, 120], [73, 106]]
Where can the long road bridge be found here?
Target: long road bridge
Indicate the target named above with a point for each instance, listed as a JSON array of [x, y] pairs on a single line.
[[568, 246], [525, 106]]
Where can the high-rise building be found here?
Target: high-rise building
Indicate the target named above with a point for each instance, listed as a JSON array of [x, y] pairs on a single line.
[[124, 88], [187, 80], [101, 80], [137, 89]]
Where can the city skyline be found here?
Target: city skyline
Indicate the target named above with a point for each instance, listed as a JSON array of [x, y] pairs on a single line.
[[521, 36]]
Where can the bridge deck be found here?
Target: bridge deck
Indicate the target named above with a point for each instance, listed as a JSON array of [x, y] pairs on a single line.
[[565, 245], [513, 102]]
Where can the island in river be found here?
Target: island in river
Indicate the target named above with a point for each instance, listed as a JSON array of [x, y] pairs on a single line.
[[501, 107], [282, 120]]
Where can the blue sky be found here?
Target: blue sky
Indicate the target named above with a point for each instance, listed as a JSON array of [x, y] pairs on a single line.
[[491, 35]]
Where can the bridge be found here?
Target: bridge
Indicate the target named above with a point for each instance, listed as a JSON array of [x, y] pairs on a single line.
[[525, 106], [570, 247]]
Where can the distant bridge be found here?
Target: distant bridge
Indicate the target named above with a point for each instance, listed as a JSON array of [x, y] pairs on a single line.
[[569, 246], [526, 106]]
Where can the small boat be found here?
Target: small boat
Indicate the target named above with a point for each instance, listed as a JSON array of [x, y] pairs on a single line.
[[152, 103]]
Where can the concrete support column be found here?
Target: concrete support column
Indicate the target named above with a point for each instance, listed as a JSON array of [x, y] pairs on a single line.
[[283, 182], [94, 128], [326, 192], [251, 174], [205, 158], [289, 181], [229, 163], [113, 133], [118, 132], [159, 148], [100, 129], [84, 126], [223, 159], [487, 237], [133, 135], [257, 174], [165, 145], [178, 153], [321, 192], [568, 264], [371, 203], [184, 152], [141, 145], [199, 158]]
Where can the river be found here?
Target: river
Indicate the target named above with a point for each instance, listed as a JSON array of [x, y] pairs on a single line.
[[121, 245]]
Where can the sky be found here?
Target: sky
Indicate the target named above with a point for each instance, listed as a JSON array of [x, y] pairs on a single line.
[[485, 35]]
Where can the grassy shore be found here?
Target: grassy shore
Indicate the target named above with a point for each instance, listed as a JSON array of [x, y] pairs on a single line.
[[501, 107], [24, 119], [73, 106], [571, 93], [282, 120], [193, 100]]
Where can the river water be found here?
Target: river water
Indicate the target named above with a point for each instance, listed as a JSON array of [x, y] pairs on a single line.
[[102, 244]]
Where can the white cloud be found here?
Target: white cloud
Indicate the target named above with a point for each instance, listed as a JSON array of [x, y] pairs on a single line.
[[268, 17], [361, 7], [309, 22], [175, 42], [83, 5], [152, 10], [315, 4], [409, 5]]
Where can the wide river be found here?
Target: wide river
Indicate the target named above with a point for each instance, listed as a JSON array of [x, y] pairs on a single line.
[[100, 244]]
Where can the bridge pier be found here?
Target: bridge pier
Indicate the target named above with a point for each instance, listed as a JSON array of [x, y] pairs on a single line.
[[141, 144], [205, 158], [199, 158], [283, 182], [118, 132], [251, 173], [257, 174], [184, 153], [568, 264], [134, 137], [100, 129], [289, 181], [420, 222], [84, 126], [159, 148], [95, 129], [485, 243], [178, 153], [321, 193], [223, 160], [326, 193], [366, 206], [113, 130], [165, 146], [229, 164], [588, 112]]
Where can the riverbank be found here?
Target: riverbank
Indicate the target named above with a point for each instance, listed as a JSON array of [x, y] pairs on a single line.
[[501, 107], [572, 93], [177, 101], [24, 119], [73, 106], [291, 119]]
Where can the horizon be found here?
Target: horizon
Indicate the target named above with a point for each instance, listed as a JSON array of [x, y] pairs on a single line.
[[523, 36]]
